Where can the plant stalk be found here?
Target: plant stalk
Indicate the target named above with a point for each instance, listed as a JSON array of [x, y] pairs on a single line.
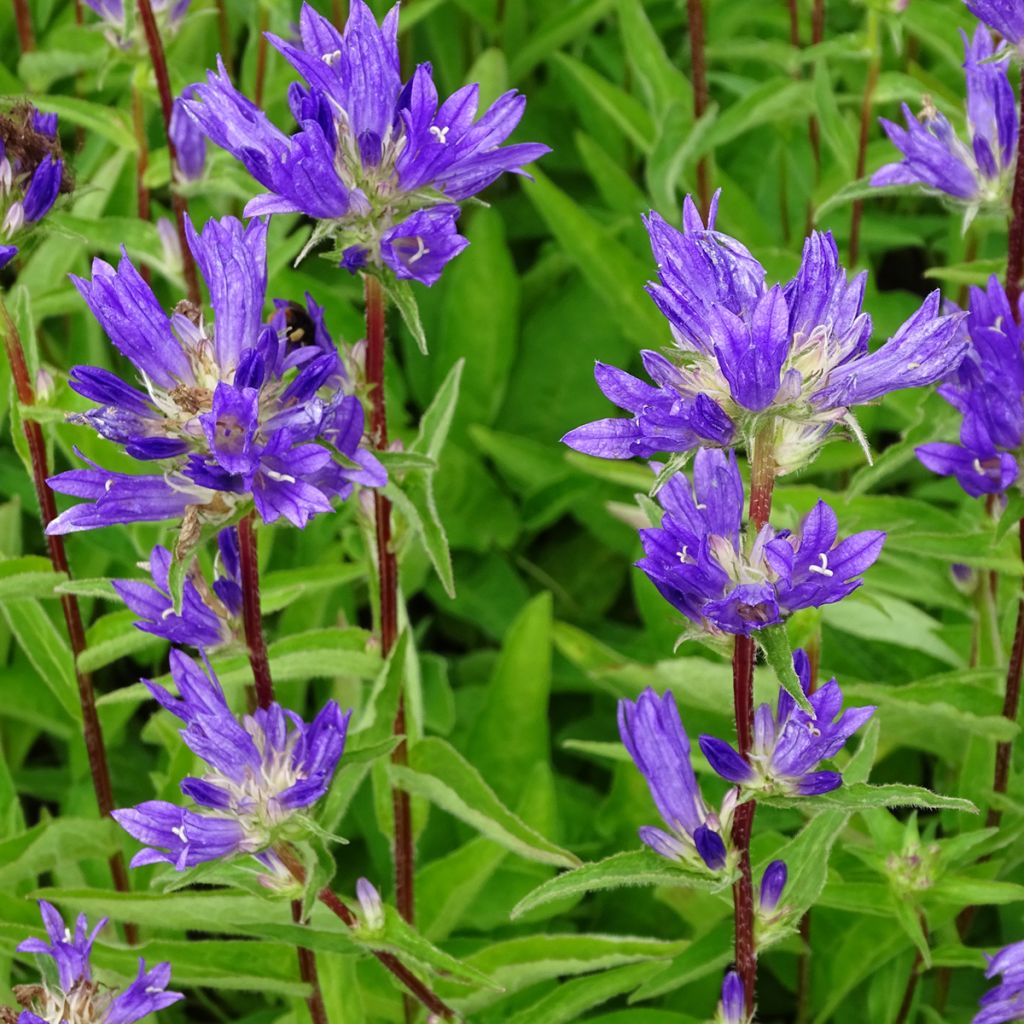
[[261, 57], [874, 69], [698, 64], [817, 36], [309, 974], [92, 730], [252, 617], [23, 21], [163, 84]]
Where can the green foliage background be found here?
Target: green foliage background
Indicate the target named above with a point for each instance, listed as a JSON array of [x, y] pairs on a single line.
[[520, 671]]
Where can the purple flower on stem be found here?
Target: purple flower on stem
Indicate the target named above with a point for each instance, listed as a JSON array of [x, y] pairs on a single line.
[[189, 140], [653, 733], [370, 905], [773, 881], [789, 746], [727, 580], [262, 775], [988, 390], [1005, 1002], [934, 156], [169, 15], [1005, 16], [732, 1008], [76, 997], [234, 411], [747, 357], [371, 152]]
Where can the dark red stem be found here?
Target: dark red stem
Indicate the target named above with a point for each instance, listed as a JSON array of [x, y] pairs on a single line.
[[23, 20], [309, 974], [251, 615], [862, 152], [261, 58], [1015, 249], [817, 36], [224, 28], [698, 65], [163, 84], [92, 731]]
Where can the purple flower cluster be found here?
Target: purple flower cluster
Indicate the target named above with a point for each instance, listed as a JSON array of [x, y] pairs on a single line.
[[262, 774], [1004, 1003], [789, 746], [727, 580], [934, 156], [653, 733], [376, 161], [787, 363], [988, 391], [31, 173], [231, 412], [169, 15], [76, 997]]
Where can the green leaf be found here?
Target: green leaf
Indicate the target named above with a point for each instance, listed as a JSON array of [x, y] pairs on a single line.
[[774, 641], [662, 83], [402, 295], [566, 22], [627, 869], [707, 954], [440, 774], [47, 649], [28, 576], [54, 843], [780, 99], [114, 636], [862, 797]]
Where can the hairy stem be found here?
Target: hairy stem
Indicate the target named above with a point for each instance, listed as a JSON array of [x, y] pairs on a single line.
[[261, 57], [23, 21], [251, 614], [389, 961], [867, 101], [762, 482], [695, 17], [1015, 248], [92, 731], [163, 84], [309, 973]]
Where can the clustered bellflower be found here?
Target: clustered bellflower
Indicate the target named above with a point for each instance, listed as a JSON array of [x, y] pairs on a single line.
[[32, 173], [377, 163], [787, 363], [978, 174], [228, 412], [1005, 1002], [727, 580], [789, 746], [76, 998], [988, 391], [653, 733], [189, 140], [1005, 16], [264, 773], [120, 20], [732, 1007]]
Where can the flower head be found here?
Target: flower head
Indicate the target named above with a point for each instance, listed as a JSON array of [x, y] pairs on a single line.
[[789, 745], [748, 357], [168, 13], [988, 390], [732, 1007], [773, 881], [371, 152], [1005, 1002], [977, 174], [727, 580], [262, 774], [231, 411], [77, 999], [189, 140], [653, 733], [1005, 16]]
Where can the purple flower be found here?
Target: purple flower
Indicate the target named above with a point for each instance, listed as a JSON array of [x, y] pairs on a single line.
[[76, 997], [1005, 16], [726, 580], [773, 881], [209, 616], [370, 905], [732, 1008], [653, 733], [747, 356], [1005, 1002], [233, 411], [789, 746], [934, 156], [169, 14], [988, 390], [262, 774], [370, 153], [189, 141]]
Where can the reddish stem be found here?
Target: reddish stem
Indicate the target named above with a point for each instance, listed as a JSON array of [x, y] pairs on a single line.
[[862, 153], [1015, 253], [224, 27], [251, 614], [23, 20], [817, 36], [261, 58], [163, 84], [794, 24], [309, 974], [92, 731], [695, 13]]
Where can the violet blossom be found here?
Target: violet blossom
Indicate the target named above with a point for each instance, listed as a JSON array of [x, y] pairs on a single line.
[[229, 413], [1005, 16], [122, 28], [653, 733], [988, 391], [978, 173], [189, 140], [789, 746], [265, 773], [76, 998], [773, 881], [375, 161], [732, 1007], [1005, 1002], [725, 579], [787, 363]]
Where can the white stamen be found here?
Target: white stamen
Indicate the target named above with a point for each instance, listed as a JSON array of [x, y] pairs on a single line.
[[441, 134], [332, 58], [421, 250], [283, 478], [913, 366], [977, 467], [823, 569], [179, 831], [699, 507], [67, 934], [107, 484], [167, 612], [681, 554]]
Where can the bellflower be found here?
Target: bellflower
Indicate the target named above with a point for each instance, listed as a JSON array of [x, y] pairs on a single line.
[[789, 746], [728, 580], [124, 32], [791, 360], [653, 733], [32, 173], [372, 155], [988, 390], [189, 141], [732, 1007], [978, 174], [209, 616], [1005, 16], [76, 998], [229, 412], [1005, 1002], [773, 881], [262, 775]]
